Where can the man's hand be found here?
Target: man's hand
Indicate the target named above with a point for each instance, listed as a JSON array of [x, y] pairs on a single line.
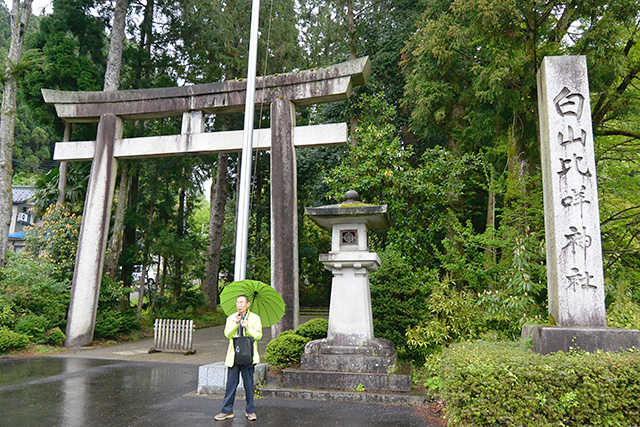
[[244, 323], [238, 319]]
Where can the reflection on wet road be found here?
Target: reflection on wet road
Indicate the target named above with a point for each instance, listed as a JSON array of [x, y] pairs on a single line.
[[74, 392]]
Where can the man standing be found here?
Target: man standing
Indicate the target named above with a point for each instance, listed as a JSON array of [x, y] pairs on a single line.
[[252, 327]]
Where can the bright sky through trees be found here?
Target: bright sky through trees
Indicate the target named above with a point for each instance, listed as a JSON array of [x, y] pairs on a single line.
[[36, 6]]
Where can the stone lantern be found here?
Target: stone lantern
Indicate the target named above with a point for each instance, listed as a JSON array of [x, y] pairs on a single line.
[[350, 357], [350, 315]]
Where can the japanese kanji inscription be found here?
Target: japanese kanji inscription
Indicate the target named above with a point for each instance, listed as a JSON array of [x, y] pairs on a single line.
[[572, 222]]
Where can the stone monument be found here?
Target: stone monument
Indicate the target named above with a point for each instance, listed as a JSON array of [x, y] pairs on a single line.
[[350, 357], [575, 280]]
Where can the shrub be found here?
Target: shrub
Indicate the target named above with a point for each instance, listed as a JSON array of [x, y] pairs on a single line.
[[54, 336], [29, 288], [398, 296], [285, 350], [34, 326], [624, 314], [113, 323], [489, 384], [12, 340], [55, 239], [6, 312], [111, 293], [190, 301], [452, 316], [314, 329]]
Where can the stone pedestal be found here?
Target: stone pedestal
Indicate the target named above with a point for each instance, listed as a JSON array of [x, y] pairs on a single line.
[[551, 339], [371, 366], [212, 378]]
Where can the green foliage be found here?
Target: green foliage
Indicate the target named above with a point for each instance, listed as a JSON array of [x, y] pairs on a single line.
[[111, 293], [288, 347], [285, 350], [54, 336], [33, 326], [10, 340], [314, 329], [418, 188], [191, 301], [111, 322], [398, 297], [7, 314], [624, 314], [471, 85], [62, 50], [516, 293], [452, 316], [428, 375], [29, 288], [55, 239], [498, 383], [114, 323], [520, 296]]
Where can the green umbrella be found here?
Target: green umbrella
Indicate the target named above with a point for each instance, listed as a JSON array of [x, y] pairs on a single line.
[[265, 301]]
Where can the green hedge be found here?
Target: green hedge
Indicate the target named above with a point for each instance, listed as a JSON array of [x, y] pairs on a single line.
[[285, 350], [12, 340], [111, 324], [502, 384], [288, 347], [34, 326], [314, 329]]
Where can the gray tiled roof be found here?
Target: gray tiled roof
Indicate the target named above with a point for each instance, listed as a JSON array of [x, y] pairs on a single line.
[[21, 193]]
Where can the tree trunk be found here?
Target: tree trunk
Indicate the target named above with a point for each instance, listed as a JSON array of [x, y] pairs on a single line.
[[20, 14], [180, 233], [130, 231], [354, 122], [116, 45], [516, 192], [216, 223], [62, 170], [142, 281], [129, 240], [112, 83], [489, 249], [351, 23], [115, 244]]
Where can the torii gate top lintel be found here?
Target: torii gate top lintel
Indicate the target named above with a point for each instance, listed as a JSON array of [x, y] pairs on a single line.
[[326, 84]]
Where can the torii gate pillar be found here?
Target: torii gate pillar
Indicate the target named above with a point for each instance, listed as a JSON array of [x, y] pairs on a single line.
[[93, 234], [284, 212]]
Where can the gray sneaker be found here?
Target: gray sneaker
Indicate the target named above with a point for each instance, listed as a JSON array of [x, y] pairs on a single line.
[[252, 416], [222, 416]]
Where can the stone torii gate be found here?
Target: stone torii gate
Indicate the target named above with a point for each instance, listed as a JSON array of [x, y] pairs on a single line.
[[282, 92]]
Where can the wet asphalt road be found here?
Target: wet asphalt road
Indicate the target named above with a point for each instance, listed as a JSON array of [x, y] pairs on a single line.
[[74, 392]]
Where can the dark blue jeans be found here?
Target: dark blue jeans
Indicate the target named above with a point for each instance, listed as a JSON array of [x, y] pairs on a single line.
[[233, 378]]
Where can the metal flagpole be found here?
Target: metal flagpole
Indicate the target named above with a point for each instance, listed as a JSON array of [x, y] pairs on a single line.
[[242, 229]]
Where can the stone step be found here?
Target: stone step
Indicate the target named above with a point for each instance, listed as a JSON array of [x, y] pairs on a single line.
[[365, 381], [347, 363], [275, 389]]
